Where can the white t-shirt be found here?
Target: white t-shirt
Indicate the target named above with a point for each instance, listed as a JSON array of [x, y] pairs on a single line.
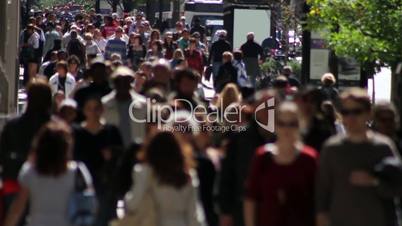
[[34, 40]]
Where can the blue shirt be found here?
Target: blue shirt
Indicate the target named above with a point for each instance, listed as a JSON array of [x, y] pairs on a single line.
[[116, 46]]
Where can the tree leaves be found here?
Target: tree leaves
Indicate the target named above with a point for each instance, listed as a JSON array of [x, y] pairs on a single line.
[[367, 30]]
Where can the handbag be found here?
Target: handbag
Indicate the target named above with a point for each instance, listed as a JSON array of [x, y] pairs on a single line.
[[145, 214], [82, 205]]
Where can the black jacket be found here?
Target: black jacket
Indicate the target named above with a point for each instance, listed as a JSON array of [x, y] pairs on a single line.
[[227, 74], [252, 49], [15, 142], [217, 49]]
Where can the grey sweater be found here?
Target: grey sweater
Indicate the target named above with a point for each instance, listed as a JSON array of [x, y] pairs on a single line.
[[349, 205]]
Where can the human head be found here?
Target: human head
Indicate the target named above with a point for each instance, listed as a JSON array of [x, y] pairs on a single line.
[[122, 78], [222, 34], [186, 81], [39, 97], [73, 63], [385, 118], [155, 34], [161, 159], [93, 108], [196, 35], [108, 20], [119, 32], [168, 36], [179, 26], [238, 55], [178, 54], [250, 36], [98, 72], [68, 110], [53, 56], [62, 55], [287, 71], [328, 79], [355, 110], [162, 71], [62, 68], [192, 44], [230, 94], [88, 37], [310, 100], [74, 34], [185, 34], [146, 67], [287, 122], [31, 28], [97, 33], [52, 149], [227, 57]]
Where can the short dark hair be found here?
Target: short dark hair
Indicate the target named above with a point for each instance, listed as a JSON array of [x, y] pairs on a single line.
[[179, 74], [358, 95], [39, 96]]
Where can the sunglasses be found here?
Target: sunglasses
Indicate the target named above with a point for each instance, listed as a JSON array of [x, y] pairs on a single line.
[[291, 124], [352, 111]]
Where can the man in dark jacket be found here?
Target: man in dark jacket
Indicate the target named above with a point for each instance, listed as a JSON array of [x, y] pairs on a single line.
[[198, 28], [227, 72], [252, 52], [217, 49]]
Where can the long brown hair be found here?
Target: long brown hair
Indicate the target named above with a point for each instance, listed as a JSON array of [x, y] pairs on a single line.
[[52, 148], [166, 156]]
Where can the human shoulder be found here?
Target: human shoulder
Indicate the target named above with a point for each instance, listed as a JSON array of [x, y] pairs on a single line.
[[70, 78], [53, 78], [335, 140], [109, 98], [309, 152]]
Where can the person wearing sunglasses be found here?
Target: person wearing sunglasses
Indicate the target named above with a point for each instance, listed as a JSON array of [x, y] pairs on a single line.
[[280, 186], [347, 191]]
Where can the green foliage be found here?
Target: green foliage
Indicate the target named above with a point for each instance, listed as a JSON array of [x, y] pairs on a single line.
[[270, 66], [296, 67], [88, 4], [367, 30]]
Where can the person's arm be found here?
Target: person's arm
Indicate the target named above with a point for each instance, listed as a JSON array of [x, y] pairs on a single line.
[[386, 189], [249, 212], [195, 213], [17, 207], [226, 185], [211, 52], [323, 188], [261, 53]]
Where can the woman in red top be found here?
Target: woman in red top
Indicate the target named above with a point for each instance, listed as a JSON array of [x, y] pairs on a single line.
[[194, 57], [280, 185]]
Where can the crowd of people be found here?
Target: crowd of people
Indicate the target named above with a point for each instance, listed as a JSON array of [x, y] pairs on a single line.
[[128, 103]]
